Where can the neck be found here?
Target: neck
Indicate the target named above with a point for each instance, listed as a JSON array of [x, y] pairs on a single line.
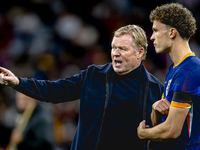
[[179, 50]]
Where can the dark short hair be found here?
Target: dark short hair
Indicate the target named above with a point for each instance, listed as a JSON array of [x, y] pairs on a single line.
[[177, 16]]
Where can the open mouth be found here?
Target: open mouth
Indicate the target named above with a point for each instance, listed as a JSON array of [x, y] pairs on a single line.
[[117, 62]]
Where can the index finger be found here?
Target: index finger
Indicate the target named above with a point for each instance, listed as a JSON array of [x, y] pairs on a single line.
[[3, 69]]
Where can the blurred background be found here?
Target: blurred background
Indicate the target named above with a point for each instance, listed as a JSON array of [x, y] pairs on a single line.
[[53, 39]]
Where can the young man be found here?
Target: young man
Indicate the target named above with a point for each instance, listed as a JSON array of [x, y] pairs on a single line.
[[114, 97], [176, 116]]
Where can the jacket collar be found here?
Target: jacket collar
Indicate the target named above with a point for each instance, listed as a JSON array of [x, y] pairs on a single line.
[[146, 75]]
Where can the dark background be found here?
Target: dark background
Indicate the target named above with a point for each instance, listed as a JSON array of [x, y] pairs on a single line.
[[52, 39]]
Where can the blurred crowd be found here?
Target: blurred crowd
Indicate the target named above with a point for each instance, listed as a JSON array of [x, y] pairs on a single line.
[[52, 39]]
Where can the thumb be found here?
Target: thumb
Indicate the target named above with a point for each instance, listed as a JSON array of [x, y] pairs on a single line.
[[143, 123]]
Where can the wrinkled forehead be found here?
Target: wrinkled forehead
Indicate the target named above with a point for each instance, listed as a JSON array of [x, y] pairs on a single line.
[[125, 39]]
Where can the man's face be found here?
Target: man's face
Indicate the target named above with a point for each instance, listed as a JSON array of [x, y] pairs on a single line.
[[160, 37], [126, 56]]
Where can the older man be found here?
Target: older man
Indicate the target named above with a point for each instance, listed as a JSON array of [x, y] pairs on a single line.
[[114, 97]]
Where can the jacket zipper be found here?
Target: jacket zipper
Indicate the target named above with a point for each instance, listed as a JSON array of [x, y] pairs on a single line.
[[144, 110], [145, 101], [105, 105]]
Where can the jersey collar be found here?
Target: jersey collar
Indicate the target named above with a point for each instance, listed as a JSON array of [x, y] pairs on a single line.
[[188, 55]]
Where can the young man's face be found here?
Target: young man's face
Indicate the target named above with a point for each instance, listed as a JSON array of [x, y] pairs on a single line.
[[126, 56], [160, 37]]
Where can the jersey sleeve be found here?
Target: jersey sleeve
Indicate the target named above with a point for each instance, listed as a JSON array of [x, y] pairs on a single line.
[[184, 87]]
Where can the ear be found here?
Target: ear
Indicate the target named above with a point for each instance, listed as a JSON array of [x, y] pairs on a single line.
[[140, 52], [172, 33]]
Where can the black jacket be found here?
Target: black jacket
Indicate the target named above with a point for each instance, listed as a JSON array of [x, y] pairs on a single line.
[[93, 86]]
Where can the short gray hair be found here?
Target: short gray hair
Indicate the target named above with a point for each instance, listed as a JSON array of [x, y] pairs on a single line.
[[137, 33]]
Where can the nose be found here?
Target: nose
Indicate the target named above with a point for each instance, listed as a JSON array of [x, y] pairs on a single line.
[[152, 38], [115, 51]]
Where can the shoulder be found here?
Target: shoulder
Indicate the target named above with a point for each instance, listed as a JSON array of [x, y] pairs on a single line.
[[151, 78], [93, 70], [100, 68], [191, 67], [156, 81], [192, 62]]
